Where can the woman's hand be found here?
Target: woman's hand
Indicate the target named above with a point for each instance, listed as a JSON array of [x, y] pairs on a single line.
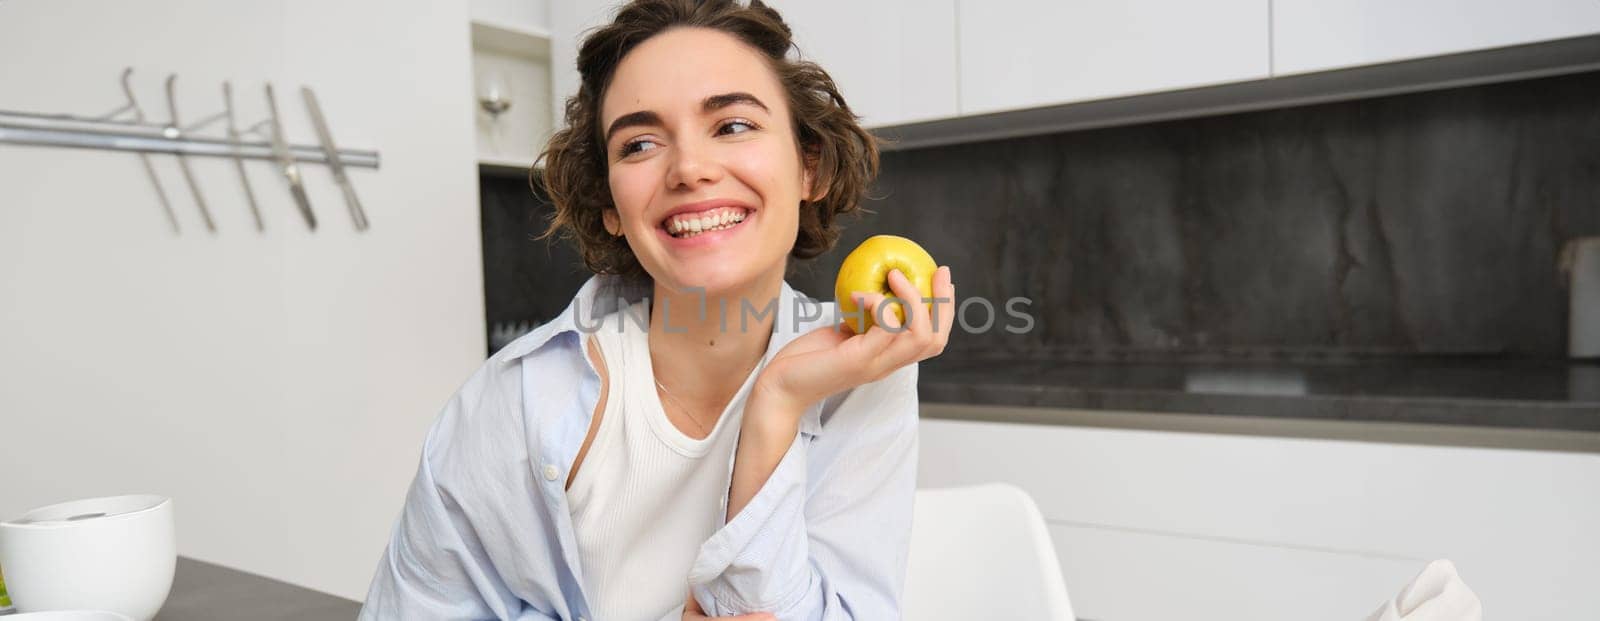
[[827, 361], [693, 612], [830, 360]]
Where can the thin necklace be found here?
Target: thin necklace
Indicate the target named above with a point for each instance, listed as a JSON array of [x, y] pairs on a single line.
[[685, 410]]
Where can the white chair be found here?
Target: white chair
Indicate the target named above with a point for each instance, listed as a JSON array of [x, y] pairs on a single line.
[[982, 552]]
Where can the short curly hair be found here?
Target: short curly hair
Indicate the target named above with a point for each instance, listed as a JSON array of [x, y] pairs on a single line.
[[843, 155]]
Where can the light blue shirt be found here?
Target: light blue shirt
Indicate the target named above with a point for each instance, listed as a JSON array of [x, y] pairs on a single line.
[[486, 532]]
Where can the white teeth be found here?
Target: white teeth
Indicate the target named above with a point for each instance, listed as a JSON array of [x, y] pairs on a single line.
[[717, 220]]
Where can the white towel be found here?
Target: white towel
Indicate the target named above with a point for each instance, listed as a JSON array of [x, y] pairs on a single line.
[[1436, 594]]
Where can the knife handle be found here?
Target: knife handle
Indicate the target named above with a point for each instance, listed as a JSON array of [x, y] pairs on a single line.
[[304, 203], [357, 215]]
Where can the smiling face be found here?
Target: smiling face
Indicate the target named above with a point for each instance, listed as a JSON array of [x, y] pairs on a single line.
[[704, 166]]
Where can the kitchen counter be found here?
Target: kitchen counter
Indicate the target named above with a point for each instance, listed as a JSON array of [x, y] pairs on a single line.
[[203, 591], [1494, 393]]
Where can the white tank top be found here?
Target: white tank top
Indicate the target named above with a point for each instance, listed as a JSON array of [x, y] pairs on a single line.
[[646, 495]]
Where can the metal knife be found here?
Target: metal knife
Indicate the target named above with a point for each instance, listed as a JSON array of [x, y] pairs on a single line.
[[238, 163], [174, 131], [149, 169], [291, 172], [334, 163]]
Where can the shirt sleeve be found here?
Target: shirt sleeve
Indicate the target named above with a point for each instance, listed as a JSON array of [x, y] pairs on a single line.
[[435, 566], [827, 536]]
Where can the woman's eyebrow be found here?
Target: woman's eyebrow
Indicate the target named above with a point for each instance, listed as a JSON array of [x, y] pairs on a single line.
[[632, 119], [710, 104], [718, 102]]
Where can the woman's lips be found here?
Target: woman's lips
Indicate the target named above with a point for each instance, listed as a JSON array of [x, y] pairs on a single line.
[[705, 238]]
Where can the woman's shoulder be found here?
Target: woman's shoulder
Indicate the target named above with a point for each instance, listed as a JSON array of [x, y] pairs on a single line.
[[491, 405], [485, 405]]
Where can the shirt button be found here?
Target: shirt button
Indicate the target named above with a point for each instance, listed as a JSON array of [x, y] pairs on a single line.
[[551, 474]]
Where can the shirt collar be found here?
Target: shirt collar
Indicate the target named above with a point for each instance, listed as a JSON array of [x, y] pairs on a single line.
[[603, 294]]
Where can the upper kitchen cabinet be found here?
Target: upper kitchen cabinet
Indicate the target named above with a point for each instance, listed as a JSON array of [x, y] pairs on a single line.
[[1316, 35], [894, 61], [1028, 53]]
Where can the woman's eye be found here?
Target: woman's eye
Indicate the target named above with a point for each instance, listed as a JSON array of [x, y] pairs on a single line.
[[635, 146], [725, 128]]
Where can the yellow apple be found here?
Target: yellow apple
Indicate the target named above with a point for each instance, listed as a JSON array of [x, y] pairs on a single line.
[[867, 269]]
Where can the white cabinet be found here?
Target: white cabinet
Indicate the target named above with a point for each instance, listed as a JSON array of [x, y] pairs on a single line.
[[1164, 525], [1027, 53], [893, 60], [907, 61], [1316, 35]]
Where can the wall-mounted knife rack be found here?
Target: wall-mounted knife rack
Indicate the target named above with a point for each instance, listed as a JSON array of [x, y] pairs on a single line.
[[126, 129]]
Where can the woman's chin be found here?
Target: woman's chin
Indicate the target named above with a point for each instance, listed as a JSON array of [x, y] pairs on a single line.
[[715, 277]]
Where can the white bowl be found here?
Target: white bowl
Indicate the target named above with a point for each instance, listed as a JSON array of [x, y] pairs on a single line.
[[69, 615], [116, 553]]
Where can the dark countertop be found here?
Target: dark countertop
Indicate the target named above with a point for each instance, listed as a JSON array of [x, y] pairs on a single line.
[[1523, 394], [203, 591]]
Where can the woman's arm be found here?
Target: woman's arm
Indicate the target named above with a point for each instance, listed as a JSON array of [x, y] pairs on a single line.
[[433, 566], [829, 361], [834, 547], [475, 540], [769, 429], [827, 534]]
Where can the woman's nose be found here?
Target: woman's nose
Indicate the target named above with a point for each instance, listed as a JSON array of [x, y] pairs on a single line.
[[693, 165]]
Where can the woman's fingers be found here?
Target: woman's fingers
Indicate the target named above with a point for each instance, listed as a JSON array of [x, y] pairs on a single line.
[[909, 334], [944, 300], [922, 334], [910, 299], [689, 615], [874, 307], [919, 339], [693, 612]]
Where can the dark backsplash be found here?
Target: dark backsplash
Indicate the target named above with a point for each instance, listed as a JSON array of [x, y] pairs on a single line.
[[526, 281], [1415, 224]]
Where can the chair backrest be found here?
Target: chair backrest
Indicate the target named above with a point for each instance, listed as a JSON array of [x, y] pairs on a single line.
[[982, 552]]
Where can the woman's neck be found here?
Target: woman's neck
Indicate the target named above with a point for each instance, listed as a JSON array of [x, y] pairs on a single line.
[[703, 345]]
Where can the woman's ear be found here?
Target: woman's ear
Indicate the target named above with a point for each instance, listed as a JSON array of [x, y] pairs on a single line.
[[612, 222], [809, 181]]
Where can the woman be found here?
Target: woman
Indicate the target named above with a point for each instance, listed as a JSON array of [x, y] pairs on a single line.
[[688, 439]]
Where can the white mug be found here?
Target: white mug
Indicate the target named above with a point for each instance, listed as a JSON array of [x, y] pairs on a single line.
[[116, 553]]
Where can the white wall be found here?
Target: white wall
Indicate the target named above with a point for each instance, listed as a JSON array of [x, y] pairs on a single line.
[[277, 386]]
